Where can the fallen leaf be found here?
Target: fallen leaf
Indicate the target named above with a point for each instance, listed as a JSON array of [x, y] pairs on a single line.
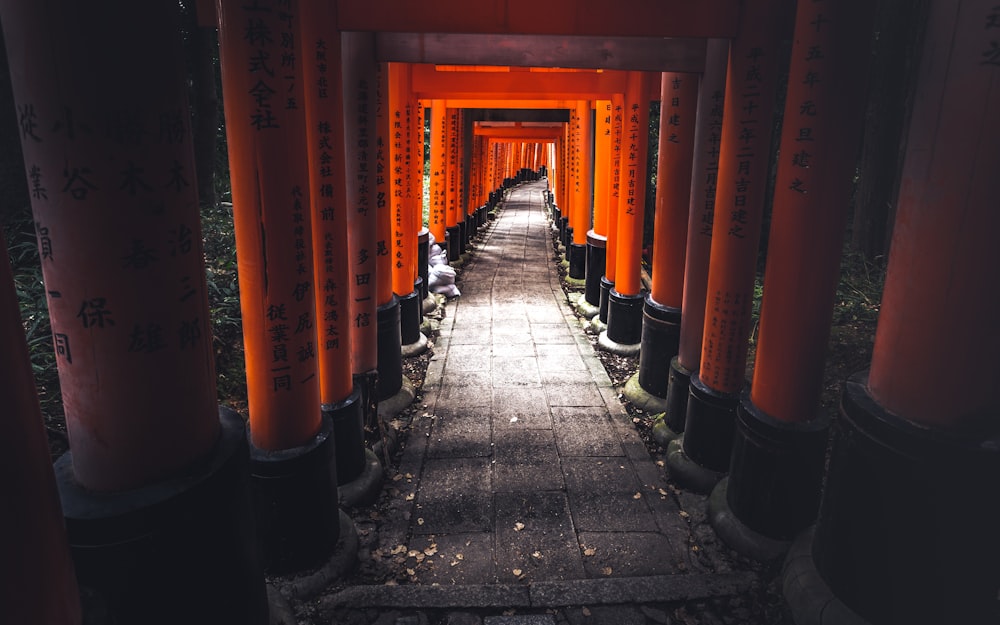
[[517, 572], [430, 550], [537, 555], [586, 611], [683, 514], [695, 548], [397, 477], [662, 492], [589, 551], [518, 526], [459, 556], [411, 572], [661, 463], [453, 562], [410, 497], [391, 582], [606, 570], [637, 496], [420, 521], [509, 612], [398, 550], [412, 553], [513, 419]]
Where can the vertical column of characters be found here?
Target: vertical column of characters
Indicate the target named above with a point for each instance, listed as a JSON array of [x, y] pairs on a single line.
[[678, 95], [439, 172], [384, 205], [617, 131], [276, 197], [701, 209], [602, 165], [452, 212], [111, 182], [751, 84], [359, 76], [632, 190], [582, 218], [331, 269], [402, 282]]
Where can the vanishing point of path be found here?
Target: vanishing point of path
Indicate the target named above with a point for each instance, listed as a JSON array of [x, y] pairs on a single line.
[[525, 482]]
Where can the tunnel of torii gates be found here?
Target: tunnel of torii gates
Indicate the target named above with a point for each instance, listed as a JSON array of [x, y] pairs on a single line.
[[170, 509]]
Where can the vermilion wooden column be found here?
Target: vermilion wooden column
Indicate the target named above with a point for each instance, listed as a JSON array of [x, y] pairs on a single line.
[[751, 82], [625, 300], [439, 173], [404, 231], [597, 237], [611, 259], [661, 316], [39, 581], [389, 337], [701, 215], [452, 213], [581, 216], [924, 419], [110, 171], [417, 164], [360, 80], [780, 442]]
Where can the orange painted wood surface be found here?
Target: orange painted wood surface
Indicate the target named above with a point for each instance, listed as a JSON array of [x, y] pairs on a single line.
[[384, 212], [633, 18], [751, 85], [582, 214], [324, 104], [617, 131], [632, 184], [678, 103], [110, 175], [935, 357], [701, 212], [400, 174], [821, 133], [437, 220], [360, 134]]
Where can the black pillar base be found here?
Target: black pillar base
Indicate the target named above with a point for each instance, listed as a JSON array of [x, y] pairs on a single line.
[[423, 258], [563, 225], [678, 389], [596, 262], [577, 261], [776, 471], [567, 239], [295, 499], [348, 434], [606, 287], [556, 213], [409, 317], [661, 333], [907, 531], [389, 349], [625, 318], [463, 237], [709, 426], [453, 237], [735, 534], [179, 551], [420, 288]]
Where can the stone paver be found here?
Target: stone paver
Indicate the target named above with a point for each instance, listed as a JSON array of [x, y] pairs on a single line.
[[524, 468]]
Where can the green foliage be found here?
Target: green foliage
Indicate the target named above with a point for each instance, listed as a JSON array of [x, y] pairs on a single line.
[[224, 301], [30, 287]]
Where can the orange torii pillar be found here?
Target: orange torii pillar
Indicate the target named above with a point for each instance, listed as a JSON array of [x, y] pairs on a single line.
[[390, 340], [362, 471], [701, 214], [700, 457], [580, 218], [439, 174], [340, 398], [155, 488], [291, 442], [611, 259], [39, 582], [773, 488], [624, 329], [907, 530], [571, 132], [418, 163], [453, 230], [661, 313], [597, 237], [404, 230]]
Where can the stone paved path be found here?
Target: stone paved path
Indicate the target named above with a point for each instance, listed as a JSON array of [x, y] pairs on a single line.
[[526, 467]]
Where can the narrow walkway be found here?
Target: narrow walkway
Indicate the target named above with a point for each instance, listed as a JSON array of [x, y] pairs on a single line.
[[526, 482]]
